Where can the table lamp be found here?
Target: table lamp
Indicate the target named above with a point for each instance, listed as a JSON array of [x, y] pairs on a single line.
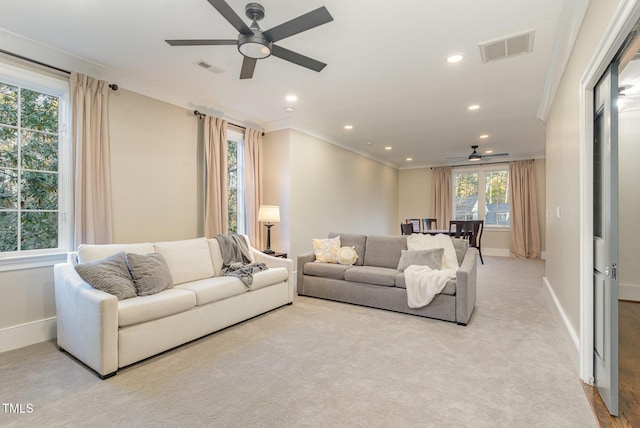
[[269, 214]]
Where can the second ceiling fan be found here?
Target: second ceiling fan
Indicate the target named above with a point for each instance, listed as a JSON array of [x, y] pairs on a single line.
[[255, 44]]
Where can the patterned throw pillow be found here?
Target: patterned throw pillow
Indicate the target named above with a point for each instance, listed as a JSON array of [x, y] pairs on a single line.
[[347, 255], [431, 258], [150, 273], [110, 275], [326, 250]]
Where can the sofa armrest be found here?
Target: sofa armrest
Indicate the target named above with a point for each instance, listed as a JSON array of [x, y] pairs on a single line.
[[87, 320], [466, 278], [273, 262], [302, 259]]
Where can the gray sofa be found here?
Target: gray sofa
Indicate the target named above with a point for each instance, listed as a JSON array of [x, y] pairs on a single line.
[[374, 280]]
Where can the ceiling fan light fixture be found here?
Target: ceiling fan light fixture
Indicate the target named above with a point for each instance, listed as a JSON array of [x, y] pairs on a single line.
[[254, 46], [474, 158]]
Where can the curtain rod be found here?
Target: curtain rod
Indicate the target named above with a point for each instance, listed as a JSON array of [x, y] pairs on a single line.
[[202, 115], [113, 86], [480, 164]]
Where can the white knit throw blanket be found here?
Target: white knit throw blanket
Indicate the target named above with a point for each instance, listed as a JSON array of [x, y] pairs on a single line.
[[423, 283]]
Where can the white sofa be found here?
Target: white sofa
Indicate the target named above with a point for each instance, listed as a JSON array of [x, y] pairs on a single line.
[[107, 334]]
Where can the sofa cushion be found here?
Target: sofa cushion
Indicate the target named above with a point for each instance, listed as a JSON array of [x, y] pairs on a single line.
[[384, 251], [147, 308], [91, 252], [327, 270], [213, 289], [449, 289], [110, 275], [150, 273], [216, 255], [326, 250], [372, 275], [358, 242], [188, 260], [269, 277], [431, 258]]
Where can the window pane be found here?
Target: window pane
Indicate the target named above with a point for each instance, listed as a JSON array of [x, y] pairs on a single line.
[[496, 197], [8, 188], [39, 230], [39, 191], [8, 147], [39, 111], [8, 105], [8, 231], [466, 197], [232, 188], [39, 151]]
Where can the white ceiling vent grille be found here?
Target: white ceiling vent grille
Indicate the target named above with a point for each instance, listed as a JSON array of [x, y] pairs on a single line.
[[212, 68], [507, 48]]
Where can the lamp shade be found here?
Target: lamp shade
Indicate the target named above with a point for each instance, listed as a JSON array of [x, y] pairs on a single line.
[[269, 213]]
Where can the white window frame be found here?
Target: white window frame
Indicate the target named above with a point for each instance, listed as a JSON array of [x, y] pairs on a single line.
[[481, 204], [59, 87]]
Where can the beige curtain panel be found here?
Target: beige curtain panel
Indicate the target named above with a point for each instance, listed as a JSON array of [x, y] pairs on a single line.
[[253, 185], [524, 237], [216, 218], [441, 196], [91, 155]]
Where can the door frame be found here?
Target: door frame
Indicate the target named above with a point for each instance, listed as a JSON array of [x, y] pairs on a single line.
[[623, 21]]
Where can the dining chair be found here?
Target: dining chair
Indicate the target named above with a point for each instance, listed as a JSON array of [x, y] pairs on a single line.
[[429, 223], [406, 228], [475, 235], [459, 229], [415, 222]]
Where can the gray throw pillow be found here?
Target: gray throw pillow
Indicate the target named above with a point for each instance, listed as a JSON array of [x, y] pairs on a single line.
[[431, 258], [150, 273], [110, 275]]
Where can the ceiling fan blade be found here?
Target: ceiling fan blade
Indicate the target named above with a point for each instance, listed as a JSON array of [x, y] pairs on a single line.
[[248, 65], [227, 13], [298, 25], [296, 58], [201, 42]]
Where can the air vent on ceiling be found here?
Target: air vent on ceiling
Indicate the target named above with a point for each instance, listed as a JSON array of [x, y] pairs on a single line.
[[507, 47], [209, 67]]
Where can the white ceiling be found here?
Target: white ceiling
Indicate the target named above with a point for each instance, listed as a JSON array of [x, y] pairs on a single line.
[[386, 72]]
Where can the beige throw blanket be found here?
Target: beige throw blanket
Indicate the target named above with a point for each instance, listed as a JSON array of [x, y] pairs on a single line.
[[423, 283]]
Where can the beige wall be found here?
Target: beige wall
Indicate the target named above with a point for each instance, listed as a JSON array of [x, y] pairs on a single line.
[[155, 164], [327, 189], [562, 153], [415, 198], [629, 207]]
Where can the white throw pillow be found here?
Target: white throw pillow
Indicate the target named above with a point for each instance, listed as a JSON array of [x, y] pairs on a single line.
[[347, 255], [326, 250]]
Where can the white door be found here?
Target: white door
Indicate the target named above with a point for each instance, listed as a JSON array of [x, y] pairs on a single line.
[[605, 238]]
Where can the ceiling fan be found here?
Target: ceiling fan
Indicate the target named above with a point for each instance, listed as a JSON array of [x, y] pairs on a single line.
[[475, 156], [256, 44]]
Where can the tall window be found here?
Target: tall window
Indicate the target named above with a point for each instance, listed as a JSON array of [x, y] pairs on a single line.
[[32, 118], [482, 194], [235, 182]]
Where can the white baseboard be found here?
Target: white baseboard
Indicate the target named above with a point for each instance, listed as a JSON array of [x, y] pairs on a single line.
[[505, 252], [571, 334], [22, 335], [629, 292]]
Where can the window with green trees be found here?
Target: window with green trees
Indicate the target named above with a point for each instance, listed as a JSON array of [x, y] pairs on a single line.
[[235, 188], [29, 168], [482, 194]]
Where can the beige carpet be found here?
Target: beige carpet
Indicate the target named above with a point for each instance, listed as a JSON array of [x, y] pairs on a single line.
[[324, 364]]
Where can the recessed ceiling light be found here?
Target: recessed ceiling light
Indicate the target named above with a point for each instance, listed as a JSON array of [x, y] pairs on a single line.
[[289, 109], [474, 107], [388, 148], [292, 98], [488, 151], [484, 136], [348, 127], [409, 159], [455, 58]]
